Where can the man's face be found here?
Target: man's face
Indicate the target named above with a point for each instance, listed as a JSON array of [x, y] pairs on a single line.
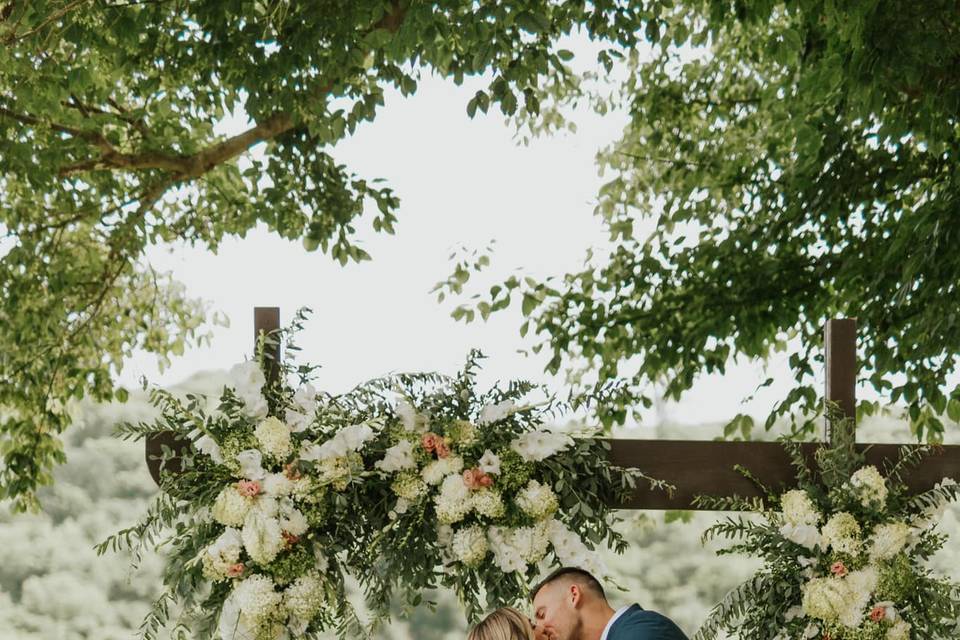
[[555, 611]]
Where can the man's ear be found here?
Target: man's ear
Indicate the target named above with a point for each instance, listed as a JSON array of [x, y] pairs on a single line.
[[575, 594]]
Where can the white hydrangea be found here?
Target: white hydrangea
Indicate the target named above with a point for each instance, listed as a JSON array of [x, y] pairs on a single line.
[[869, 486], [824, 598], [257, 599], [453, 502], [798, 508], [305, 597], [487, 503], [222, 554], [247, 381], [230, 508], [861, 585], [262, 538], [537, 500], [888, 540], [531, 542], [408, 486], [399, 457], [489, 462], [293, 522], [277, 485], [306, 399], [842, 532], [539, 445], [274, 438], [495, 412], [899, 631], [470, 545], [436, 471]]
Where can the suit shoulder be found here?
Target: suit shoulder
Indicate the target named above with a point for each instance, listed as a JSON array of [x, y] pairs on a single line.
[[640, 624]]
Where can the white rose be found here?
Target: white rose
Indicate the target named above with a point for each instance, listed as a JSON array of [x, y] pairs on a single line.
[[251, 462]]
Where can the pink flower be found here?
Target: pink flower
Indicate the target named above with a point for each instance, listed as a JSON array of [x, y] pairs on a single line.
[[289, 538], [291, 471], [249, 488], [838, 569], [235, 570], [431, 441], [442, 449], [476, 479], [878, 613]]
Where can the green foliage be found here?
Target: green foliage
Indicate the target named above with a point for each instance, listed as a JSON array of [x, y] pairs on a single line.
[[109, 145], [784, 163]]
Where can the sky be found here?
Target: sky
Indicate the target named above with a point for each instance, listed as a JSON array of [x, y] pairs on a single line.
[[461, 182]]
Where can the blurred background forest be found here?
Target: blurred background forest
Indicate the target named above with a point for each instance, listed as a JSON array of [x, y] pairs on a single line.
[[54, 587]]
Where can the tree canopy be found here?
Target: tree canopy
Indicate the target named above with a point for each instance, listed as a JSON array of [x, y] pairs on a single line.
[[109, 144], [796, 161]]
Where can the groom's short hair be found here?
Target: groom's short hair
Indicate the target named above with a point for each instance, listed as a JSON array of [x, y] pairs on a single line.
[[575, 575]]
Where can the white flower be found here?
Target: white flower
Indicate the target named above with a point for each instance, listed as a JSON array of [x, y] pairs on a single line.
[[397, 458], [262, 537], [539, 445], [506, 555], [824, 598], [470, 545], [805, 535], [408, 486], [489, 463], [306, 399], [842, 532], [230, 508], [206, 444], [277, 485], [247, 380], [251, 462], [495, 412], [274, 438], [870, 486], [888, 540], [257, 600], [436, 471], [899, 631], [453, 502], [222, 554], [231, 626], [487, 503], [344, 442], [537, 500], [798, 508], [412, 421], [570, 549], [293, 522], [298, 421], [444, 535], [812, 631], [305, 597], [320, 560], [792, 613]]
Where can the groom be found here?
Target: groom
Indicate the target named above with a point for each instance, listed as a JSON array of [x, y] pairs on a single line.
[[570, 605]]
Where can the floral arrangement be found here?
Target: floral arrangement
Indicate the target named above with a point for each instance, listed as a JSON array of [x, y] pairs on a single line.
[[843, 554], [404, 483]]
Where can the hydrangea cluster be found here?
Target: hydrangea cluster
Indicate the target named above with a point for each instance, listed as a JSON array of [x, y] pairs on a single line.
[[848, 562], [291, 492]]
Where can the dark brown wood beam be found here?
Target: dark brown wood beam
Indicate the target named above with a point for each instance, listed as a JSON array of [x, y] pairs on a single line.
[[707, 468]]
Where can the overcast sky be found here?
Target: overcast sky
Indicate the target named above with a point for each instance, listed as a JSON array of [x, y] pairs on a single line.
[[461, 182]]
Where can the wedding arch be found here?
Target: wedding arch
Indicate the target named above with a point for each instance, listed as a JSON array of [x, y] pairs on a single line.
[[699, 467], [267, 512]]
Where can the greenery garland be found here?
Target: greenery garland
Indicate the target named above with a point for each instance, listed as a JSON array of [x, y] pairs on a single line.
[[844, 554], [405, 483]]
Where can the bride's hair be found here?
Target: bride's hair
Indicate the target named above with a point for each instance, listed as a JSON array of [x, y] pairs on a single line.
[[505, 623]]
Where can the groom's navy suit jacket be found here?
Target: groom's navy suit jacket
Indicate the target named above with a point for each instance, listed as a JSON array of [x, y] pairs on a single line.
[[639, 624]]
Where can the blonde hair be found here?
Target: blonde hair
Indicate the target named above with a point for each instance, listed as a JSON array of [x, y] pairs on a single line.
[[505, 623]]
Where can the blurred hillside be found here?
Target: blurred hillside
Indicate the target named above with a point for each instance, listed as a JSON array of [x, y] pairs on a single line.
[[54, 587]]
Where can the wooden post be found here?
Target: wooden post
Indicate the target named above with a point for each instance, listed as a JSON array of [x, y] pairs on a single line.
[[840, 360], [265, 320]]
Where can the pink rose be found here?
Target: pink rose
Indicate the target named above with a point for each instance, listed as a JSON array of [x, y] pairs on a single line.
[[878, 613], [235, 570], [476, 479], [289, 538], [248, 488], [838, 569], [430, 441], [442, 449]]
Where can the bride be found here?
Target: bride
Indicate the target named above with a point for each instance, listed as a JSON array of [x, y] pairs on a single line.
[[504, 624]]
